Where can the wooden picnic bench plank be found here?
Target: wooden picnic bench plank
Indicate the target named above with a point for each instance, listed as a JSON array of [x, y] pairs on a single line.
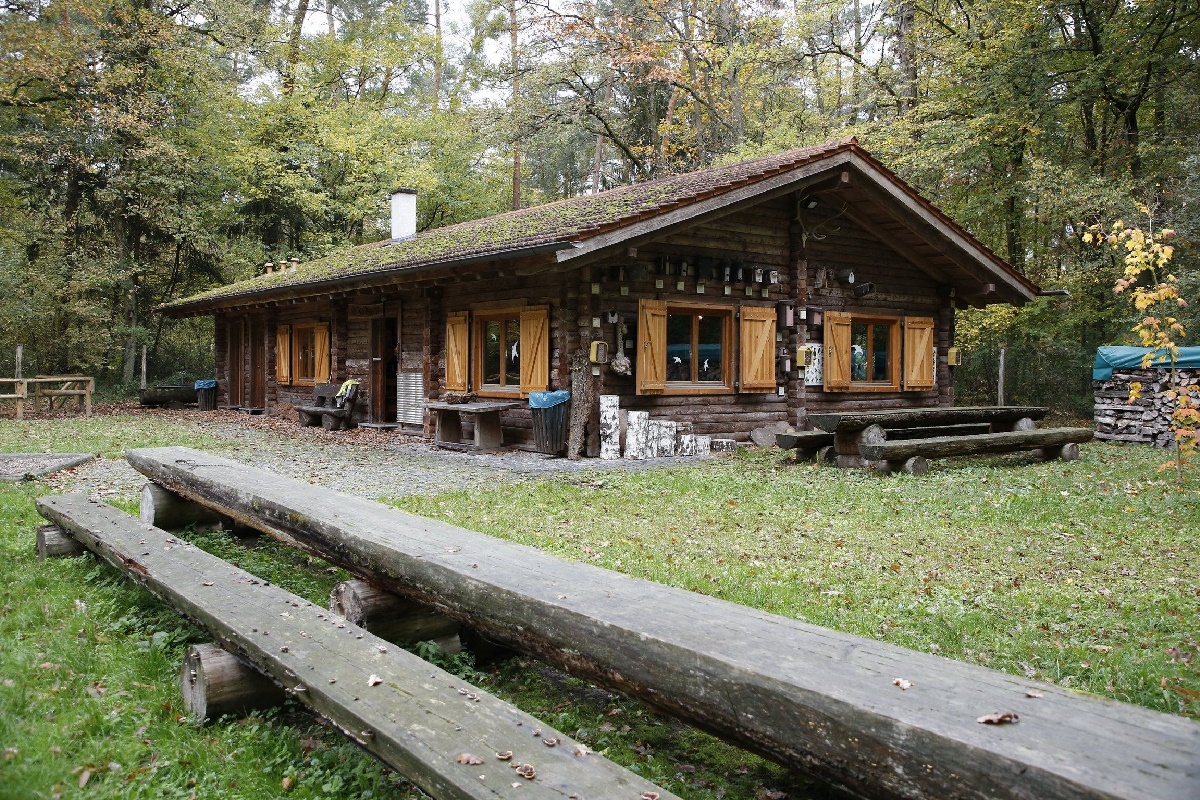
[[923, 417], [814, 699], [1004, 442], [415, 717]]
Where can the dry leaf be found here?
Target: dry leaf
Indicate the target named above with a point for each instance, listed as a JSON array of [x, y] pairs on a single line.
[[1032, 693], [287, 783], [48, 665], [527, 771], [902, 683], [84, 777], [998, 718], [581, 750], [374, 680], [467, 758], [649, 796], [550, 742], [505, 756]]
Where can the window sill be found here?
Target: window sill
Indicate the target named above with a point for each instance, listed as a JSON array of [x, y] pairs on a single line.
[[693, 389], [508, 394]]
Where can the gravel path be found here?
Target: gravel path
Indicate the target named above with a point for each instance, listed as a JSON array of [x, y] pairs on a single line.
[[363, 462]]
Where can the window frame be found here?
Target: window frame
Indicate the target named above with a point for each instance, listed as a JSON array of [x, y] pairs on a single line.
[[897, 344], [696, 310], [299, 330], [533, 374], [479, 321]]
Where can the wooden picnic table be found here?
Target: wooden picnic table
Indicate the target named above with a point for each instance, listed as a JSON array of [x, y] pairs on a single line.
[[861, 437], [488, 434]]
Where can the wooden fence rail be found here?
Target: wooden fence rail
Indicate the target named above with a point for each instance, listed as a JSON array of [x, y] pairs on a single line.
[[814, 699]]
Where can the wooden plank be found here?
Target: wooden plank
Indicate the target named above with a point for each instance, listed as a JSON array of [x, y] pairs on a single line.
[[922, 417], [412, 715], [803, 439], [816, 700], [1004, 442]]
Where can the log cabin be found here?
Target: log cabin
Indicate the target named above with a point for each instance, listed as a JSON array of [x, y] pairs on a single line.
[[729, 298]]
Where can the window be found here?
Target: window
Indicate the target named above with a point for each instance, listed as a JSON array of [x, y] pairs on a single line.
[[504, 352], [310, 353], [688, 348], [863, 352]]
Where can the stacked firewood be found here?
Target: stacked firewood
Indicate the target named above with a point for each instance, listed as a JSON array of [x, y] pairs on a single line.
[[1148, 419]]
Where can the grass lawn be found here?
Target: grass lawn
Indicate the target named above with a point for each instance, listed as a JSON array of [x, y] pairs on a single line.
[[1084, 573]]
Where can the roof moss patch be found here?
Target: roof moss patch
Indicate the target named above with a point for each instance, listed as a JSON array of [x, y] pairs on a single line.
[[570, 220]]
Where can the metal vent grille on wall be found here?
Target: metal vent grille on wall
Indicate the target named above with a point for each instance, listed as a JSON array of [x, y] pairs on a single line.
[[410, 398]]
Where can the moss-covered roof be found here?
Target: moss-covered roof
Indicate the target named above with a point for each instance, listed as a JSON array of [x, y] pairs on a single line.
[[571, 220], [563, 222]]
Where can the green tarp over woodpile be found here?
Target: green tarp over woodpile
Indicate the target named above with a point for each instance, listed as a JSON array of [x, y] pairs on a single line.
[[1110, 358]]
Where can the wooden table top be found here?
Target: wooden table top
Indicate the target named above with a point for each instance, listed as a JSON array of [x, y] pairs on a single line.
[[918, 417], [478, 407]]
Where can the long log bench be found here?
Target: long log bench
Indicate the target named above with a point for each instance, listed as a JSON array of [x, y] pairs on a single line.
[[415, 717], [814, 699], [1052, 442]]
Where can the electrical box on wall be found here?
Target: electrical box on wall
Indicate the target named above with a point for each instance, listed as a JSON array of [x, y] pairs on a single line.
[[805, 357], [954, 357], [599, 352]]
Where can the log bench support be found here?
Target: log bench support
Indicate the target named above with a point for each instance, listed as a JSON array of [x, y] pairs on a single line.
[[215, 683], [813, 699], [391, 617], [413, 716]]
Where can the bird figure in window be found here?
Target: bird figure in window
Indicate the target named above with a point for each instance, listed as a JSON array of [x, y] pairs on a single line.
[[677, 359], [514, 351], [705, 367]]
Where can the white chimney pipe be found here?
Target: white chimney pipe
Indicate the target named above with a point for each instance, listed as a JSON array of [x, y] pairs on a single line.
[[404, 213]]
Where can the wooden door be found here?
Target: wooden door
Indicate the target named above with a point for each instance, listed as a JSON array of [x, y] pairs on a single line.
[[237, 362], [258, 364], [384, 367]]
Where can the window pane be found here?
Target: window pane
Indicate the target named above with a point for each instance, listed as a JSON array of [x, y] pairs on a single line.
[[305, 353], [712, 330], [858, 351], [491, 352], [679, 347], [882, 339], [512, 352]]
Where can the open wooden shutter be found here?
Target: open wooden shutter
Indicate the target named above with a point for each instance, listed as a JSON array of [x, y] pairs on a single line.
[[283, 354], [321, 373], [757, 342], [652, 337], [837, 351], [535, 350], [457, 337], [918, 353]]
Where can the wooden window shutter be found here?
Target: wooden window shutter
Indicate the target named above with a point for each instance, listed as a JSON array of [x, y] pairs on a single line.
[[283, 354], [918, 353], [535, 350], [457, 362], [837, 351], [652, 338], [321, 360], [757, 343]]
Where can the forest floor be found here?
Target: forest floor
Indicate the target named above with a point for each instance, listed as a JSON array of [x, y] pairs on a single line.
[[1081, 573]]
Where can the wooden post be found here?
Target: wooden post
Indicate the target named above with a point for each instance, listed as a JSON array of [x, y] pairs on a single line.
[[391, 617], [214, 683], [143, 366], [1000, 381], [165, 509], [17, 370], [89, 387], [54, 542]]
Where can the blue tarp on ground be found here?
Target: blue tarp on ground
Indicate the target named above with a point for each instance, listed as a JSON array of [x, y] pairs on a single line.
[[1110, 358]]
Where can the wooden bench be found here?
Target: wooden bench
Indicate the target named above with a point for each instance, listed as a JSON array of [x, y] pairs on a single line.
[[1049, 443], [326, 410], [416, 718], [813, 699], [808, 444], [489, 436]]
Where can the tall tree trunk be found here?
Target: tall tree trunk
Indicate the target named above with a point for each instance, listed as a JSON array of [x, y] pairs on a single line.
[[437, 53], [906, 56], [293, 49], [513, 44]]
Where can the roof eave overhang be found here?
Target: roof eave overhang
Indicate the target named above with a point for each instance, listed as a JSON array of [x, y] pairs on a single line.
[[268, 294]]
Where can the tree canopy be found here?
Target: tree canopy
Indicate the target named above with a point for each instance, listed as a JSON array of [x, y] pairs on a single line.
[[152, 149]]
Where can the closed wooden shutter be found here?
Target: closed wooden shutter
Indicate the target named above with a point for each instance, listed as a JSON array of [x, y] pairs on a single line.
[[321, 360], [283, 354], [757, 343], [535, 350], [652, 339], [457, 338], [918, 353], [837, 351]]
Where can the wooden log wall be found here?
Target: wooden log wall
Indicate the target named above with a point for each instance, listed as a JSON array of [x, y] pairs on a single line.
[[1148, 419], [837, 243], [221, 361]]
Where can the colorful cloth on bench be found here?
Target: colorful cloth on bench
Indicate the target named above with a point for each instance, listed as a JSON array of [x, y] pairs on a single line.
[[343, 394]]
